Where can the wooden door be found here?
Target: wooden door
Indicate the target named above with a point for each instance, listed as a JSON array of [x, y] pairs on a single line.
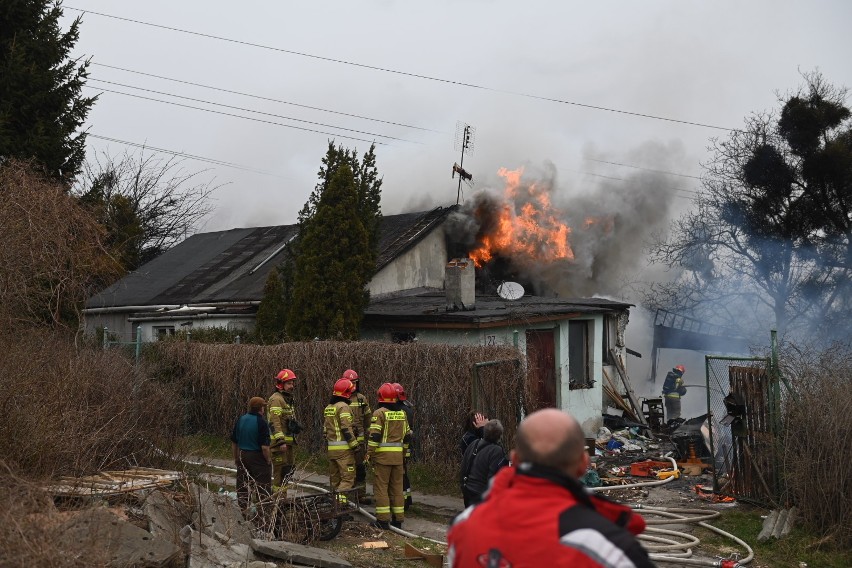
[[541, 362]]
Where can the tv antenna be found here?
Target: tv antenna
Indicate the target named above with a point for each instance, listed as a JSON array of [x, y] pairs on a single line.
[[465, 140]]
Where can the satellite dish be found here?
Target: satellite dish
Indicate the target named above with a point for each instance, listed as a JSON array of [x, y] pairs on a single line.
[[510, 291]]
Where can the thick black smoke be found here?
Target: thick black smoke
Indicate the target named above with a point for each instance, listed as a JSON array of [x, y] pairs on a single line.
[[607, 251]]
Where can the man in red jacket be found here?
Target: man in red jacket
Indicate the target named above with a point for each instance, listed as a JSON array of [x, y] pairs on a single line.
[[537, 514]]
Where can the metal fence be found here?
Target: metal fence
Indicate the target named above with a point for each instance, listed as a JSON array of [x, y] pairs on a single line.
[[743, 406]]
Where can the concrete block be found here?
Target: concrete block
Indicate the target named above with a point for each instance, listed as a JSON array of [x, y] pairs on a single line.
[[217, 513], [123, 543], [299, 554]]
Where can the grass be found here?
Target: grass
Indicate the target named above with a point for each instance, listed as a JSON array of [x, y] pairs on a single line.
[[347, 546], [799, 546]]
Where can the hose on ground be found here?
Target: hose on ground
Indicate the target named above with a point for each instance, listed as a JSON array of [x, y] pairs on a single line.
[[361, 510]]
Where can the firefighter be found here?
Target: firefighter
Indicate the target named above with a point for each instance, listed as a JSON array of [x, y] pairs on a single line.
[[673, 390], [361, 415], [386, 446], [340, 438], [406, 406], [283, 428]]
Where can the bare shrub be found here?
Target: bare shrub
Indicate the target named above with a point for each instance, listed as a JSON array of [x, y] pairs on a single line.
[[817, 436], [51, 256], [68, 412], [219, 379]]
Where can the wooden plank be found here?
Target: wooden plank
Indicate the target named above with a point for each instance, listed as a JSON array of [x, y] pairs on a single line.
[[622, 372]]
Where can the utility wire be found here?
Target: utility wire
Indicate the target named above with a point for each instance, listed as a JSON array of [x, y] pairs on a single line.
[[677, 189], [398, 72], [250, 110], [185, 155], [236, 115], [262, 98], [646, 169]]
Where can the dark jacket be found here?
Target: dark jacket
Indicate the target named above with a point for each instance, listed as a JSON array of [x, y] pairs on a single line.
[[533, 517], [673, 385], [469, 437], [481, 461]]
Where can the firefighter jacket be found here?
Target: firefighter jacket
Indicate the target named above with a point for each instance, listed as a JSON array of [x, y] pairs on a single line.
[[534, 516], [281, 415], [361, 415], [389, 436], [408, 408], [673, 386], [338, 426]]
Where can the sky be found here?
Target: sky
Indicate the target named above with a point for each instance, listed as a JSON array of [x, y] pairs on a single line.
[[489, 64], [611, 100]]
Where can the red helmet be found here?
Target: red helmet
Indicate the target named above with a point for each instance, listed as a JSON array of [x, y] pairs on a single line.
[[400, 391], [387, 393], [283, 376], [680, 368], [343, 387], [350, 374]]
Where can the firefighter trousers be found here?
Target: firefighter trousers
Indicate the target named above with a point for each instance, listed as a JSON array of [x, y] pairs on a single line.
[[282, 465], [387, 491], [361, 471], [672, 407], [341, 470]]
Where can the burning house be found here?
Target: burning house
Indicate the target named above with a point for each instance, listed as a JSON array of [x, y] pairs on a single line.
[[442, 276]]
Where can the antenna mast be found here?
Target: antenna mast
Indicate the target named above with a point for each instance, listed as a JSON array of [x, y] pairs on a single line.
[[465, 138]]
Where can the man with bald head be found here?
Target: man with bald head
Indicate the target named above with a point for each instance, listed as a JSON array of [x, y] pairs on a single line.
[[536, 513]]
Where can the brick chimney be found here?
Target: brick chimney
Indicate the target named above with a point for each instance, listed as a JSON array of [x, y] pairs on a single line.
[[459, 285]]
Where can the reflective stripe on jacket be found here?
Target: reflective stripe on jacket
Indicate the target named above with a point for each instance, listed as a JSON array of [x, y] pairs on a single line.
[[389, 436], [279, 412], [361, 415], [338, 427]]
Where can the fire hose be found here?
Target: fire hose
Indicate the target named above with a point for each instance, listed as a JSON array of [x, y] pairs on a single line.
[[659, 542]]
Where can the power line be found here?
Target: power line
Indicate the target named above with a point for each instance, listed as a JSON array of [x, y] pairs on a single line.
[[263, 98], [646, 169], [398, 72], [185, 155], [236, 115], [249, 110], [682, 190]]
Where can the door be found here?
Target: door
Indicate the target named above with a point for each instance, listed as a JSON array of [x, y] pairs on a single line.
[[541, 368]]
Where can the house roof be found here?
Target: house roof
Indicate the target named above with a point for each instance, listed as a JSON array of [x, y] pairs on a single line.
[[428, 308], [232, 266]]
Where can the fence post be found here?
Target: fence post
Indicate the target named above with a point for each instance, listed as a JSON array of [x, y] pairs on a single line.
[[106, 337], [138, 342], [188, 335], [237, 340]]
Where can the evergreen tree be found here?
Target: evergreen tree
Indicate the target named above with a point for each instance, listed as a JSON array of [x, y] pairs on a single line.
[[41, 106], [272, 312], [360, 186], [332, 265]]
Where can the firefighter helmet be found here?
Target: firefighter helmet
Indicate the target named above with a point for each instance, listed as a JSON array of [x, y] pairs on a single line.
[[387, 393], [350, 374], [680, 368], [343, 387], [400, 391], [283, 376]]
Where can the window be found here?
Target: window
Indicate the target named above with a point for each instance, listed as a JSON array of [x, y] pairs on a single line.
[[403, 336], [161, 331], [579, 371]]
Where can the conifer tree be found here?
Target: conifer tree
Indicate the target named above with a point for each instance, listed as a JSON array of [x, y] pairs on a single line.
[[272, 312], [41, 105], [328, 297]]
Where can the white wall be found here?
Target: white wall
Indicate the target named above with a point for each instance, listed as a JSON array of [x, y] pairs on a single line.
[[421, 266], [585, 404], [148, 333]]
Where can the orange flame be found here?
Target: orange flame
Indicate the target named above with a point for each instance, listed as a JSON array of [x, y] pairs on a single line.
[[534, 231]]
